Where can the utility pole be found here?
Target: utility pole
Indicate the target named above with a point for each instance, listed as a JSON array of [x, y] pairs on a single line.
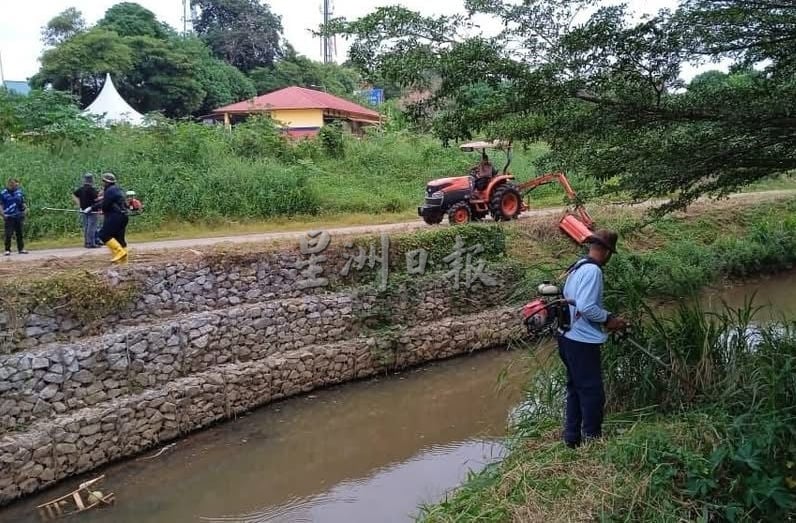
[[188, 17], [2, 76], [328, 44]]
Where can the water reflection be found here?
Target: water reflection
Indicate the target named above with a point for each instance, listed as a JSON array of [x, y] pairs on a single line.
[[384, 493]]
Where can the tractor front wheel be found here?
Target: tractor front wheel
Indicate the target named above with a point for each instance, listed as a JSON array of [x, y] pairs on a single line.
[[433, 219], [505, 203], [459, 213]]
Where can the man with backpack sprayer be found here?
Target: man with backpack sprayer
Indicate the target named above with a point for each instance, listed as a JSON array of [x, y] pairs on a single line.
[[114, 210], [579, 345]]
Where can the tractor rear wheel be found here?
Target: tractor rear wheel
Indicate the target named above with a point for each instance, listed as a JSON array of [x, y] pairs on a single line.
[[459, 213], [505, 203]]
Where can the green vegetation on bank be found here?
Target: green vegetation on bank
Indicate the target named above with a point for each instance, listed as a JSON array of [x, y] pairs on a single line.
[[192, 173], [704, 434], [676, 255], [607, 93]]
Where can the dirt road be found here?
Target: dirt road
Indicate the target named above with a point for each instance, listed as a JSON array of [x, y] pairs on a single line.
[[168, 245], [182, 245]]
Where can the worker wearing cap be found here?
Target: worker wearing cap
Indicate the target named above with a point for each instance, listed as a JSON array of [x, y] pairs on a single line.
[[114, 209], [86, 196], [579, 346], [134, 205]]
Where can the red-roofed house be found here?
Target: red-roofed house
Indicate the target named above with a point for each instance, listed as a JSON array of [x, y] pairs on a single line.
[[301, 111]]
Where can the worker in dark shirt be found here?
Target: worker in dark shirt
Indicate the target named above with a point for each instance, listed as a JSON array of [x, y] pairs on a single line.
[[114, 209], [86, 196]]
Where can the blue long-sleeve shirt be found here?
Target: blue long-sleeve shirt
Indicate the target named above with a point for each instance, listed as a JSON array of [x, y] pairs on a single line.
[[13, 202], [584, 288]]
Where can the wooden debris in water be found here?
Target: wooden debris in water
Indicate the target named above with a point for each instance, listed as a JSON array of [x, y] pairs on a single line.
[[85, 497]]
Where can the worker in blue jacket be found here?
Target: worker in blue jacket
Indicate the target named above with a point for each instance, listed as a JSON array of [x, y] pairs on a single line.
[[12, 203], [579, 346]]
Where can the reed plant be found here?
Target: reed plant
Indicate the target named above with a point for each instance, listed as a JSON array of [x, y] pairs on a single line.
[[701, 427]]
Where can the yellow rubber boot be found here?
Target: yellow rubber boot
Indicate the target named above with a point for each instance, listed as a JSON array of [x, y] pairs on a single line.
[[118, 251]]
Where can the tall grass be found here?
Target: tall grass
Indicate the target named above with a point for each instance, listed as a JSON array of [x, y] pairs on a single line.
[[701, 422], [673, 258], [699, 429], [181, 172], [187, 172]]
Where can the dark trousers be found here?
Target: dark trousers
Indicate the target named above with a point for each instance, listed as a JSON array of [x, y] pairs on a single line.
[[585, 394], [13, 226], [114, 226]]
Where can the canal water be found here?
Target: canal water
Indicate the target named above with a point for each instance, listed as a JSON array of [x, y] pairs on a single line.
[[775, 295], [370, 451], [366, 451]]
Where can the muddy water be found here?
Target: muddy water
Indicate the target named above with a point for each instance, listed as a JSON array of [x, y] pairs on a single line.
[[364, 452], [775, 295]]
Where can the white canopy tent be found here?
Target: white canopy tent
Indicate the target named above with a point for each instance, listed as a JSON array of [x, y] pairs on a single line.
[[111, 108]]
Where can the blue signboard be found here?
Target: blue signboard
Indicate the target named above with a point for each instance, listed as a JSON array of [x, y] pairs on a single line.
[[17, 87], [375, 96]]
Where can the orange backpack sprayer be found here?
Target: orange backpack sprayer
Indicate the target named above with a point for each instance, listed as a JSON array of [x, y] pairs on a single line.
[[549, 312], [134, 205]]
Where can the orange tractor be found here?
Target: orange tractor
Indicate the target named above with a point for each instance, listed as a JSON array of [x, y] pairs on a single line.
[[486, 191]]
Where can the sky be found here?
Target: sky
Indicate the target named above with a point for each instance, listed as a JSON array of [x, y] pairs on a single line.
[[21, 22]]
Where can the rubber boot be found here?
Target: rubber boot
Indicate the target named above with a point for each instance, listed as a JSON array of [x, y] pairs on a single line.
[[118, 251]]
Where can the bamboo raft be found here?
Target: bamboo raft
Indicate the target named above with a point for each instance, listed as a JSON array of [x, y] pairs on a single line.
[[81, 499]]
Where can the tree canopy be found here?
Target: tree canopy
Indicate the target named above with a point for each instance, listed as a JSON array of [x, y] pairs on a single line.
[[237, 52], [130, 19], [153, 67], [63, 26], [603, 89], [244, 33], [295, 69]]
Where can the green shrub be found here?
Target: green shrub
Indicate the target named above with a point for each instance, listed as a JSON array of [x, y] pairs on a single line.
[[331, 138], [182, 172], [259, 138], [189, 172]]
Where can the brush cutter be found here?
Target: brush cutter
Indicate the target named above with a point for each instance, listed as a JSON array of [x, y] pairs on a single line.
[[549, 314]]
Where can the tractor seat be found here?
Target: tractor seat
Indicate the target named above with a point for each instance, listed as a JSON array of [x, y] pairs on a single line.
[[481, 183]]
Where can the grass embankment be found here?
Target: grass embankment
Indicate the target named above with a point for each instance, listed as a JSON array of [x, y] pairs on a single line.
[[197, 181], [206, 179], [706, 435]]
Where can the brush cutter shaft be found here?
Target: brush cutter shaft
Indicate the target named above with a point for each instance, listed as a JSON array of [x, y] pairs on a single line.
[[66, 210], [659, 361]]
